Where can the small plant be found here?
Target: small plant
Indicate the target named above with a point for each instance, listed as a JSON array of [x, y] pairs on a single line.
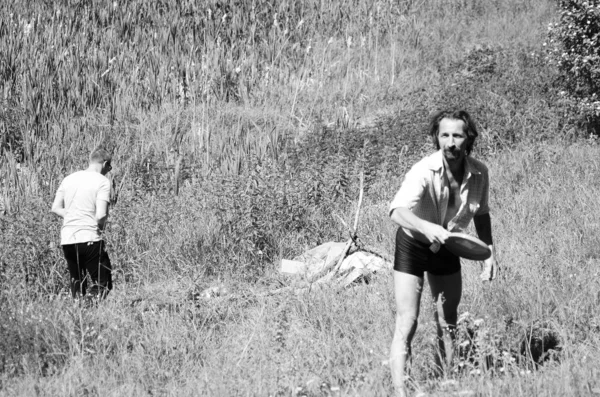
[[509, 346]]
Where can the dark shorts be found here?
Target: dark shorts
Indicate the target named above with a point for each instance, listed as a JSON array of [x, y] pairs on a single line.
[[414, 257], [89, 263]]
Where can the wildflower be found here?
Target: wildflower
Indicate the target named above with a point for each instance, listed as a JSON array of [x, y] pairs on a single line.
[[464, 317]]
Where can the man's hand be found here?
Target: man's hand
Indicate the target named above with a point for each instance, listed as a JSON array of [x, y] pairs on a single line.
[[490, 269], [434, 233], [58, 206]]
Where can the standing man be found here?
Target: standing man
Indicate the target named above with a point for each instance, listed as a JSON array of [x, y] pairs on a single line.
[[440, 194], [82, 201]]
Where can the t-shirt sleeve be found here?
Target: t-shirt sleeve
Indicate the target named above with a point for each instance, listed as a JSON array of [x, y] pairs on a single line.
[[104, 191], [484, 206], [60, 193], [411, 190]]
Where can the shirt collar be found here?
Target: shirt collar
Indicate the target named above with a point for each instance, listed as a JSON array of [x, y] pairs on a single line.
[[436, 163]]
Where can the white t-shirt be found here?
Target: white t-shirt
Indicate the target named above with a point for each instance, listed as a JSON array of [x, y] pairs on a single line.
[[80, 192]]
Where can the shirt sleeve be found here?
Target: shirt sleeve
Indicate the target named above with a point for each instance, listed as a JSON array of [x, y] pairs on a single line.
[[411, 191], [104, 191], [60, 193], [484, 207]]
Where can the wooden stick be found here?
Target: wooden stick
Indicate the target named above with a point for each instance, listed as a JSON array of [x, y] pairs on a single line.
[[372, 250], [351, 241], [360, 198]]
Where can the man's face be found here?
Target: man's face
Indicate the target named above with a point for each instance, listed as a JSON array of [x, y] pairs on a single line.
[[453, 139]]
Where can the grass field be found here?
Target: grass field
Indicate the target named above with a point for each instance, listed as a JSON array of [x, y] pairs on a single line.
[[272, 109]]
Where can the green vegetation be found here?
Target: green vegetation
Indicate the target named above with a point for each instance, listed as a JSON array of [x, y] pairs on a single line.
[[270, 110], [574, 46]]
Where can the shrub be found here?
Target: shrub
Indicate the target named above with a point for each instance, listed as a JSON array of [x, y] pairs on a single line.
[[574, 48]]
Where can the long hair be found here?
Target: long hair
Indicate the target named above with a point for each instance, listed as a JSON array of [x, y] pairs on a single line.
[[470, 129]]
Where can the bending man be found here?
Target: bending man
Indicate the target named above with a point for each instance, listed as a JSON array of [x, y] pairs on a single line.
[[82, 201]]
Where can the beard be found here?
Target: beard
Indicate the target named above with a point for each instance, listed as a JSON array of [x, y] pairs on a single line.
[[452, 154]]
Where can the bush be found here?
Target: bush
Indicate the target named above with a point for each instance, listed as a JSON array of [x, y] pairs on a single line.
[[574, 47]]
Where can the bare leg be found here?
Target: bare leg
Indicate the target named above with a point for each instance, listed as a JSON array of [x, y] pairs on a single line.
[[446, 292], [407, 290]]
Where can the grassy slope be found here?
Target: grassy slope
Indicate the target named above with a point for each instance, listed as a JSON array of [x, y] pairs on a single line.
[[322, 343]]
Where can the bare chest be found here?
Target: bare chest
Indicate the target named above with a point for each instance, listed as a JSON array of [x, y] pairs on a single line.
[[454, 199]]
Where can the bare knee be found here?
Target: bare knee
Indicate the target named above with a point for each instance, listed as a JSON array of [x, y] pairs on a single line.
[[406, 324]]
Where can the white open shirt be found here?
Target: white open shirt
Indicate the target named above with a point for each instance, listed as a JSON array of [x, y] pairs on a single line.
[[425, 192]]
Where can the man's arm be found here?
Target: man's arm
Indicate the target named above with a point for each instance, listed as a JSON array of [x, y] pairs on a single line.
[[483, 226], [101, 213], [433, 232], [58, 206]]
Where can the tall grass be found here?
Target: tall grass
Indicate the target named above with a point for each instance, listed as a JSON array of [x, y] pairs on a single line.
[[282, 66]]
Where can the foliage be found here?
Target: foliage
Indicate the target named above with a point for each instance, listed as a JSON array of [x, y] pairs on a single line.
[[574, 48]]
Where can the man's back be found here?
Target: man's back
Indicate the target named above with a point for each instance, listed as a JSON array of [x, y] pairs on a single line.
[[80, 192]]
